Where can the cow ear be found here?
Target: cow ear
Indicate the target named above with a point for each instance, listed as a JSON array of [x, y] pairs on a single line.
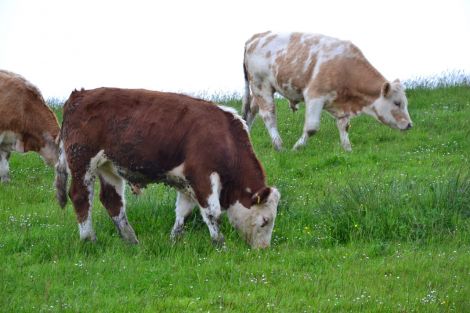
[[386, 88], [261, 196]]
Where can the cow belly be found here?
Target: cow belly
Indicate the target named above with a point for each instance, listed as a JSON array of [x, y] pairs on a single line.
[[173, 178], [290, 93]]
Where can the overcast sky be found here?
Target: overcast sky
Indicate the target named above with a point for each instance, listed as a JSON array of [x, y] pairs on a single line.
[[194, 46]]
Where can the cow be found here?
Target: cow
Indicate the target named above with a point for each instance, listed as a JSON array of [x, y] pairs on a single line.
[[26, 122], [324, 72], [142, 136]]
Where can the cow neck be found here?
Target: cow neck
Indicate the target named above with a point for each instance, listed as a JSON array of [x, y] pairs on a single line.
[[248, 178], [40, 121], [369, 83]]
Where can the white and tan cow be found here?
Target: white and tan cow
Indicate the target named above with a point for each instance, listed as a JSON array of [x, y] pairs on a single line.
[[324, 72], [26, 122]]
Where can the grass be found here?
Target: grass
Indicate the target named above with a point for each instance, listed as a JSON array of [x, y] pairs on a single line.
[[385, 228]]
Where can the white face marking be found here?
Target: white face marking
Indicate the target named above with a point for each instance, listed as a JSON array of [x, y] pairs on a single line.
[[86, 229], [386, 108], [49, 153], [256, 223]]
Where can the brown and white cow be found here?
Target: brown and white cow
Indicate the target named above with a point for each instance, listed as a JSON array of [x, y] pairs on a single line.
[[26, 122], [201, 149], [324, 72]]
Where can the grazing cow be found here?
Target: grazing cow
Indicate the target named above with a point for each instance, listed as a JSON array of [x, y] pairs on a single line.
[[324, 72], [143, 136], [26, 122]]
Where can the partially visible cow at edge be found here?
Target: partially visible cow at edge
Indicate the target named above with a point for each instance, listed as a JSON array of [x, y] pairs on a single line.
[[26, 122], [201, 149], [324, 72]]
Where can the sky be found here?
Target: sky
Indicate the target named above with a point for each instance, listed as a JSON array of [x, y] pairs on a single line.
[[196, 47]]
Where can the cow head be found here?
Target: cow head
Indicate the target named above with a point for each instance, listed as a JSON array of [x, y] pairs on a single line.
[[391, 108], [49, 150], [256, 223]]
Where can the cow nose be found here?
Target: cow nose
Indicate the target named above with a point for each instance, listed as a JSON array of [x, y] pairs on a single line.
[[409, 126]]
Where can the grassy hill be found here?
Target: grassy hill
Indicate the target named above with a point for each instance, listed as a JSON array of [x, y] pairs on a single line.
[[384, 228]]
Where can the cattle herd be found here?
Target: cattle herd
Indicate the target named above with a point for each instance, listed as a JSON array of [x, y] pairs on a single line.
[[201, 149]]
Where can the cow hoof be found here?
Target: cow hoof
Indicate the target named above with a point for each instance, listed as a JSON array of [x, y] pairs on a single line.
[[5, 179], [277, 144], [347, 147], [219, 242], [90, 238], [175, 237], [297, 146], [130, 239], [133, 241]]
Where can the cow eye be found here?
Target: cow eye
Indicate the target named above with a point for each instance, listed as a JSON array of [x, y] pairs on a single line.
[[265, 221], [397, 103]]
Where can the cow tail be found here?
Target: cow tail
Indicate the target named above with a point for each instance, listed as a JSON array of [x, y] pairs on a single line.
[[246, 101], [61, 176]]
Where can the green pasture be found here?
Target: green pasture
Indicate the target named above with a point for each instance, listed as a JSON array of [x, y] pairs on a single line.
[[385, 228]]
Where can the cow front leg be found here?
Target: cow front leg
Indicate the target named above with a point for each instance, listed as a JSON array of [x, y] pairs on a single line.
[[313, 109], [4, 167], [81, 194], [184, 206], [343, 127], [112, 198], [211, 211]]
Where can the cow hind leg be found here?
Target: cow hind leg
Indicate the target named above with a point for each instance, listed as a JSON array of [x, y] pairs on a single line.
[[313, 109], [211, 213], [112, 198], [4, 167], [250, 114], [81, 194], [343, 127], [267, 111], [184, 206]]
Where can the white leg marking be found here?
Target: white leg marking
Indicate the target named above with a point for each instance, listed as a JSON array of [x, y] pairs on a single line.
[[343, 125], [313, 109], [269, 119], [211, 214], [86, 228], [109, 175], [4, 167], [125, 229], [184, 206]]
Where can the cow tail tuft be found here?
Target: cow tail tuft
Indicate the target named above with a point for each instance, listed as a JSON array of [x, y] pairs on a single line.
[[246, 101], [61, 176]]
